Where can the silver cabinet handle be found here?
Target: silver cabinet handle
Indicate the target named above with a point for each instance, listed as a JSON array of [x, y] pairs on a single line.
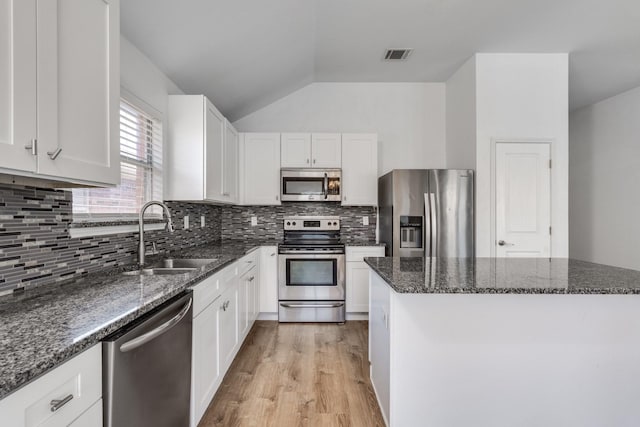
[[273, 254], [277, 197], [145, 338], [251, 278], [307, 161], [225, 194], [225, 305], [59, 403], [502, 243], [33, 146], [289, 305], [54, 154], [314, 161]]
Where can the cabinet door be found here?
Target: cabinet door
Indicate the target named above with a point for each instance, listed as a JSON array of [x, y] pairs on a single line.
[[357, 282], [214, 137], [228, 327], [205, 371], [380, 322], [17, 84], [230, 164], [326, 150], [261, 168], [295, 150], [244, 302], [359, 170], [269, 280], [78, 89], [254, 295]]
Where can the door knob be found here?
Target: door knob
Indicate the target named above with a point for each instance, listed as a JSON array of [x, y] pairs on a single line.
[[502, 242]]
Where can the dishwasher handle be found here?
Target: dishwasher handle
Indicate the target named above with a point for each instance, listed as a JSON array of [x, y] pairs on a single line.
[[145, 338]]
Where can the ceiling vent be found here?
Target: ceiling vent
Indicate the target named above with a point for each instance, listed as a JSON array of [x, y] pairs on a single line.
[[397, 54]]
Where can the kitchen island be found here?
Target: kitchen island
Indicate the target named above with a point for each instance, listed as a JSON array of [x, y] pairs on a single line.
[[504, 342]]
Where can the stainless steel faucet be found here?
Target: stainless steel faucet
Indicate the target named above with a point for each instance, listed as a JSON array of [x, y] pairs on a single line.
[[169, 228]]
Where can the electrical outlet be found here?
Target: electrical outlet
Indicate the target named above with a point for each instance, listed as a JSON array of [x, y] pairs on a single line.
[[365, 220], [254, 221], [186, 222], [202, 221]]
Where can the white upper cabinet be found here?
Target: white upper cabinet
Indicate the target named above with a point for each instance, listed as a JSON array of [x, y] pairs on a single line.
[[214, 127], [230, 149], [17, 84], [260, 168], [326, 150], [359, 169], [202, 152], [60, 90], [295, 150], [305, 150]]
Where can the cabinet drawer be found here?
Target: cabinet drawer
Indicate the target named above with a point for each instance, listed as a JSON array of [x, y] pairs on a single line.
[[358, 253], [76, 385], [91, 418], [247, 262], [205, 292]]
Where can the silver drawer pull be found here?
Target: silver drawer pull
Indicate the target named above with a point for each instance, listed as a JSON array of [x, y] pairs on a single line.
[[59, 403], [334, 305], [273, 254]]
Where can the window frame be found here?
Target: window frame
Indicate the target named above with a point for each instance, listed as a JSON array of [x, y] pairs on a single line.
[[111, 220]]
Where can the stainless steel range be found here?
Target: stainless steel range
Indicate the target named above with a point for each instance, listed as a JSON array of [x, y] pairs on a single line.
[[311, 270]]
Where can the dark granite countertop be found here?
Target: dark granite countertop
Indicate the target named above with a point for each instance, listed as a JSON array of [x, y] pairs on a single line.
[[43, 327], [503, 276]]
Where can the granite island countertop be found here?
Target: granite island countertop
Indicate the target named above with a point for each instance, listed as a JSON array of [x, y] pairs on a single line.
[[503, 276], [45, 326]]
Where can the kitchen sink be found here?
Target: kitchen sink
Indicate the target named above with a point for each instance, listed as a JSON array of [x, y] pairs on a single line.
[[174, 263], [158, 271]]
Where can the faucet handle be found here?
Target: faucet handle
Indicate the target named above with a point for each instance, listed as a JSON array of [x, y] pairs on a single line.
[[154, 249]]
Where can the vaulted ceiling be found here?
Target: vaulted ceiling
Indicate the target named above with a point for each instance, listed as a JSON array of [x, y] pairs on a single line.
[[245, 54]]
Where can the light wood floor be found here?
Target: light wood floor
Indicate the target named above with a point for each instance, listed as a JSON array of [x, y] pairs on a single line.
[[298, 375]]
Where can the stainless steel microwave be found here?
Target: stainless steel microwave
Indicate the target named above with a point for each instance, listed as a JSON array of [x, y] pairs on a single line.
[[310, 185]]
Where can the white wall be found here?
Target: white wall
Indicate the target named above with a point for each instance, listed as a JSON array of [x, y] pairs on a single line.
[[461, 117], [149, 86], [604, 174], [409, 118], [522, 97]]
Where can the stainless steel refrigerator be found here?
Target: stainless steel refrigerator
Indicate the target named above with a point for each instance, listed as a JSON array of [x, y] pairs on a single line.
[[427, 212]]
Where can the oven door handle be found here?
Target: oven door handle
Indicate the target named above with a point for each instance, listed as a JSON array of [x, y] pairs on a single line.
[[332, 305]]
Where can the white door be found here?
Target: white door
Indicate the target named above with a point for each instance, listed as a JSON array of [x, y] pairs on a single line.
[[296, 150], [523, 200], [359, 169], [79, 89], [261, 168], [326, 150], [230, 164], [17, 84], [214, 137]]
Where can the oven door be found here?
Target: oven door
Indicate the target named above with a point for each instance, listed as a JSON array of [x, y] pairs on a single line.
[[311, 277], [308, 185]]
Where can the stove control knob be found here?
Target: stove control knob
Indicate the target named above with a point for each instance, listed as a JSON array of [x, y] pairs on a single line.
[[294, 223], [335, 223], [288, 223]]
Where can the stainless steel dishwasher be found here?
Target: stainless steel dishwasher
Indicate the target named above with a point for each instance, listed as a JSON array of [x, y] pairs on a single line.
[[147, 368]]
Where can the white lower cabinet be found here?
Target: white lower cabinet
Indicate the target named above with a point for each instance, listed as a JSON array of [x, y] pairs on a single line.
[[269, 280], [380, 342], [60, 397], [225, 307], [357, 277]]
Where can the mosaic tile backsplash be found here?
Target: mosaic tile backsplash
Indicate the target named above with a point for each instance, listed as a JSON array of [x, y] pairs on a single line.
[[35, 246], [236, 220]]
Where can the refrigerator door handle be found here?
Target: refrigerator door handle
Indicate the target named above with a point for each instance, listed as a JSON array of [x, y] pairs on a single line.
[[434, 224], [427, 225]]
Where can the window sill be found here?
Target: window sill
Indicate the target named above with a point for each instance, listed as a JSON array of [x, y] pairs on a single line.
[[90, 229]]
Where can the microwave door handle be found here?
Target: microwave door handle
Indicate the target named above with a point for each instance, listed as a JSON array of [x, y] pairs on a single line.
[[326, 186]]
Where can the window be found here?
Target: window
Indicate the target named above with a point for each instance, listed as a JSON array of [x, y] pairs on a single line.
[[140, 173]]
